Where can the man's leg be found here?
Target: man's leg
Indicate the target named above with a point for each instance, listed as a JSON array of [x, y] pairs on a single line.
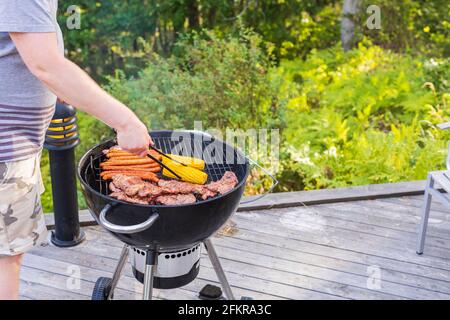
[[22, 223], [9, 277]]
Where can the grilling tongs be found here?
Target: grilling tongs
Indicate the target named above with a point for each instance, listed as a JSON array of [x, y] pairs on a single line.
[[162, 164], [167, 156]]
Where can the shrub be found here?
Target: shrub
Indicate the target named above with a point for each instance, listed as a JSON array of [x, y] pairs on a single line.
[[221, 82], [366, 116]]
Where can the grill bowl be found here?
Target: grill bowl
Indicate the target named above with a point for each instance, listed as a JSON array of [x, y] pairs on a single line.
[[177, 226]]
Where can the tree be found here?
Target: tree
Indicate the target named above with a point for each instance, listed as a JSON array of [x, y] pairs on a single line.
[[349, 11]]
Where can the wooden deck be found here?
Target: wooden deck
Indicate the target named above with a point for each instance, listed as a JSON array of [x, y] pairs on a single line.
[[361, 249]]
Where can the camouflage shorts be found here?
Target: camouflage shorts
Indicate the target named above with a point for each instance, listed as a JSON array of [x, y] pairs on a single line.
[[22, 223]]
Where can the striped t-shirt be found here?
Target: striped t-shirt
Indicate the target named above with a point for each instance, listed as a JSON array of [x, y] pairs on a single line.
[[22, 131], [26, 104]]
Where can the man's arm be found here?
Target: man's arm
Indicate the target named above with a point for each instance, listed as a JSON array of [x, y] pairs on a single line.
[[40, 53]]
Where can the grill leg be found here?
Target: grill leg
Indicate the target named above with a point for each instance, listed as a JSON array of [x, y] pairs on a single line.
[[150, 268], [425, 214], [218, 269], [118, 271]]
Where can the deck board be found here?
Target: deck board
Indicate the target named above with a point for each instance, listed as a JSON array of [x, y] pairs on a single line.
[[349, 222], [322, 251], [255, 257]]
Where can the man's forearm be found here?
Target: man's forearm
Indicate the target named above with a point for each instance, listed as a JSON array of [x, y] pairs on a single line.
[[74, 86]]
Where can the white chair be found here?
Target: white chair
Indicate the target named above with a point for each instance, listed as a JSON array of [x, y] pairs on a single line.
[[442, 178]]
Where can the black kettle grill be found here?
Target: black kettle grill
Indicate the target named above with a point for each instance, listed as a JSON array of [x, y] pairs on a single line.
[[169, 234]]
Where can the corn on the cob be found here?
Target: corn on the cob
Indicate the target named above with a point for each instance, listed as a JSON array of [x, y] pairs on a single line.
[[187, 174], [189, 161]]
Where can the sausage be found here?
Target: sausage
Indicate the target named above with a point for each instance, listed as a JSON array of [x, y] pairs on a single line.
[[126, 170], [147, 164], [107, 175], [124, 157], [131, 168], [114, 153], [137, 166], [121, 154], [126, 162]]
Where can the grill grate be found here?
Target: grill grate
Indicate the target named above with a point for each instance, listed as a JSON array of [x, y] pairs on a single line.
[[215, 158]]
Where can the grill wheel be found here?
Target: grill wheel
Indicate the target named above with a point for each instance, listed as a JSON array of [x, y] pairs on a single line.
[[101, 289]]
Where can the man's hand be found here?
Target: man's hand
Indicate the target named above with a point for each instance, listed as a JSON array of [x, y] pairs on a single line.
[[134, 137], [40, 53]]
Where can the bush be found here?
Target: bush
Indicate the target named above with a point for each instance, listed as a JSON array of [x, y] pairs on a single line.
[[361, 117], [366, 116], [410, 26], [221, 82]]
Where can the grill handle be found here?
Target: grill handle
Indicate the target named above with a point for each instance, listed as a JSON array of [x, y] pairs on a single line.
[[125, 229], [274, 182]]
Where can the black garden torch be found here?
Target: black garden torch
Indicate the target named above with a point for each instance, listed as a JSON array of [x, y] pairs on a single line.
[[61, 140]]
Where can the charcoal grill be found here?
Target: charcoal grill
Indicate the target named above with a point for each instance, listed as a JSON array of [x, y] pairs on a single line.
[[168, 234]]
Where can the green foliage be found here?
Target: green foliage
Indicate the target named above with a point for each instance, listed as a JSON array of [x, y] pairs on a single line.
[[313, 27], [410, 25], [221, 82], [111, 36], [121, 35], [362, 117]]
